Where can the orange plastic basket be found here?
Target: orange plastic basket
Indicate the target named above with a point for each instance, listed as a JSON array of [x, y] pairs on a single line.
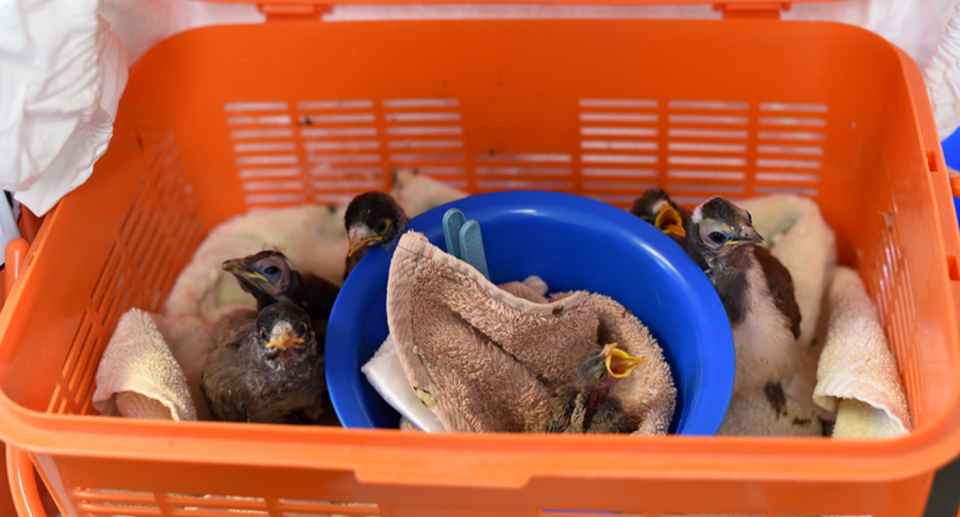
[[220, 120]]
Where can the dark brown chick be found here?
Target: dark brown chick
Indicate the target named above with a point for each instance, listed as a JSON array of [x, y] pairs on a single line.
[[584, 406], [270, 278], [372, 219], [656, 208], [266, 367]]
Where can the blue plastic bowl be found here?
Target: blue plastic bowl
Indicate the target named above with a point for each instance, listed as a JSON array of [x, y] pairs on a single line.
[[573, 243]]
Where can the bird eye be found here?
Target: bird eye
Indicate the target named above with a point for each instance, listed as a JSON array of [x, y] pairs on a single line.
[[599, 374], [382, 226], [263, 333], [272, 270], [303, 328], [717, 237]]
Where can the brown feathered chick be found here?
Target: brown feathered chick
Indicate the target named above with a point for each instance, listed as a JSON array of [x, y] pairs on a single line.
[[656, 208], [372, 219], [270, 278], [266, 367], [584, 406], [755, 288]]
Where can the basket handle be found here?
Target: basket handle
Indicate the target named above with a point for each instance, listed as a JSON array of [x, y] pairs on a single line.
[[20, 474], [23, 484]]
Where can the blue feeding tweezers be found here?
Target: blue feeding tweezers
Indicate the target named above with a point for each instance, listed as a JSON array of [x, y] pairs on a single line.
[[464, 240]]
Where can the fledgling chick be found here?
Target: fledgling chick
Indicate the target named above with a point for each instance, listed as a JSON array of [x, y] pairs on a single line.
[[755, 288], [656, 208], [372, 219], [270, 278], [584, 407], [266, 367]]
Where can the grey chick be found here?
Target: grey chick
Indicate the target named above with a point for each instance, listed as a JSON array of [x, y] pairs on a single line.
[[271, 278], [266, 367], [372, 219], [584, 406], [656, 208], [755, 288]]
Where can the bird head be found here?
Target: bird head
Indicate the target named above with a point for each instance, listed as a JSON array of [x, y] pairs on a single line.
[[607, 365], [722, 226], [268, 271], [372, 219], [656, 208], [283, 326]]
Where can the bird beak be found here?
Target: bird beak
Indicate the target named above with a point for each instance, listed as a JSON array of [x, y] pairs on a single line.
[[284, 341], [619, 364], [747, 234], [669, 222], [357, 242], [234, 267]]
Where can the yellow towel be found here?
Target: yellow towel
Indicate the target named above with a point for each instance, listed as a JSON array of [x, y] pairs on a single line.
[[857, 376], [138, 376]]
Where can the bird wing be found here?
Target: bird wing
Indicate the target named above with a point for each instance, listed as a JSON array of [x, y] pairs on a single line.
[[780, 284], [317, 296], [223, 381]]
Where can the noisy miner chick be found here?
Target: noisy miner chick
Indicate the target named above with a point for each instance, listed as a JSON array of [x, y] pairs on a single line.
[[266, 367], [372, 219], [584, 407], [271, 278], [755, 288], [656, 208]]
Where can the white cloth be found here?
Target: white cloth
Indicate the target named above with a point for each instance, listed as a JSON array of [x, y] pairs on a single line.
[[61, 75], [138, 377]]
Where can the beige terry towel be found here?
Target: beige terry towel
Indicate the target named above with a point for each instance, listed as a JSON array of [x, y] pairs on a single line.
[[138, 376], [857, 375], [484, 360]]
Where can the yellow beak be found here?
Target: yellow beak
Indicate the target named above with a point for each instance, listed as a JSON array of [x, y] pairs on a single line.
[[231, 267], [284, 341], [669, 222], [356, 243], [619, 364]]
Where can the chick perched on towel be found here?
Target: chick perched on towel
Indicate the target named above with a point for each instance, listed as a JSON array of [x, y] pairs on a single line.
[[755, 288], [372, 219], [266, 367], [270, 278], [584, 406]]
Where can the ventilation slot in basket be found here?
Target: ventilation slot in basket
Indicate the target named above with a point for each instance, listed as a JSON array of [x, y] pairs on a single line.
[[511, 171], [892, 290], [707, 148], [427, 135], [140, 267], [618, 148], [147, 504]]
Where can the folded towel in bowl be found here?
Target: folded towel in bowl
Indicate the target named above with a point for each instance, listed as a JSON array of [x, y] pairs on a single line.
[[485, 360], [857, 376], [385, 373], [138, 376]]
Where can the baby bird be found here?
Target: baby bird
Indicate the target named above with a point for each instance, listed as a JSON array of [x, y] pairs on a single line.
[[372, 219], [755, 288], [656, 208], [584, 407], [266, 367], [270, 278]]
